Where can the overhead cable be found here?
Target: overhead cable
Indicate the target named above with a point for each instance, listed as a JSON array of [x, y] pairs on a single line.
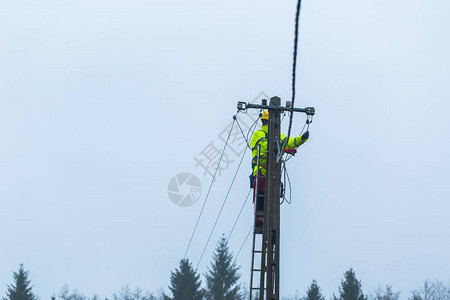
[[209, 189], [221, 208], [242, 208], [246, 238], [248, 132], [294, 67]]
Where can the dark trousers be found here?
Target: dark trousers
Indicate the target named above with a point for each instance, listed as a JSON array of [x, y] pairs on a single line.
[[258, 192]]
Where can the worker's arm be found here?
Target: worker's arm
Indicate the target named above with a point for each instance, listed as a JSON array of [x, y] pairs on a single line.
[[297, 141]]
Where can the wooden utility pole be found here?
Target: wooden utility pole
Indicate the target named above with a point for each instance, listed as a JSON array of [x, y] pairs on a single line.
[[272, 202], [270, 252]]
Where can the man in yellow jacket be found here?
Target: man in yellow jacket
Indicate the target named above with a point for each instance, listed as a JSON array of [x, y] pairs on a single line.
[[259, 140]]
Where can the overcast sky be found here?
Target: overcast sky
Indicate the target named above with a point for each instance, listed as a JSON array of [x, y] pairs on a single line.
[[103, 102]]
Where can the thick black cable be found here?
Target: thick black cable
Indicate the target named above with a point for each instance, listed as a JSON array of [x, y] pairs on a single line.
[[223, 204], [209, 189], [294, 67], [242, 208]]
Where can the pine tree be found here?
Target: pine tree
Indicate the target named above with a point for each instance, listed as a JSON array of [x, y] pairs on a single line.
[[385, 294], [185, 283], [314, 292], [222, 276], [21, 288], [350, 288], [66, 294]]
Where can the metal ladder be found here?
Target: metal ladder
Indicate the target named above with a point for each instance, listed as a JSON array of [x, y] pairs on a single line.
[[257, 291]]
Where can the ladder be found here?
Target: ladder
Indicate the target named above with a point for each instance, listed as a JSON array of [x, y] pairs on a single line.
[[258, 271], [257, 290]]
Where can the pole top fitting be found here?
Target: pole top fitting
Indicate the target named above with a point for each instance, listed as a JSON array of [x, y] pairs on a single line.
[[310, 111], [242, 105]]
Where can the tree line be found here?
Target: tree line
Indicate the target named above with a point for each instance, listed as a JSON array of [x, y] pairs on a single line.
[[222, 283]]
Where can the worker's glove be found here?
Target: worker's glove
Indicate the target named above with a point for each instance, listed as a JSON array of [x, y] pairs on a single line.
[[305, 136]]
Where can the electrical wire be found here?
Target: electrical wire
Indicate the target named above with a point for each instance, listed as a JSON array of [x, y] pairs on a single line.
[[286, 183], [303, 128], [284, 115], [221, 208], [294, 67], [283, 168], [242, 208], [253, 126], [248, 132], [246, 141], [209, 190], [288, 157], [242, 246], [308, 121], [290, 186]]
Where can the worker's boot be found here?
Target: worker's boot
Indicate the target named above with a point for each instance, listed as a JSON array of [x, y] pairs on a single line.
[[259, 222]]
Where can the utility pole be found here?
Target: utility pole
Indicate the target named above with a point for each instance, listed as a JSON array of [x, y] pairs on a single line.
[[270, 252], [272, 202]]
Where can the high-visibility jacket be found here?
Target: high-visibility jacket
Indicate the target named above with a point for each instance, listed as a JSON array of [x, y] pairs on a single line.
[[260, 138]]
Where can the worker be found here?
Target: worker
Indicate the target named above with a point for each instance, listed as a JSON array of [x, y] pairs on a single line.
[[259, 139]]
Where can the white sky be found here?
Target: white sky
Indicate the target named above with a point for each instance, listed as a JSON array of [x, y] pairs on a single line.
[[103, 102]]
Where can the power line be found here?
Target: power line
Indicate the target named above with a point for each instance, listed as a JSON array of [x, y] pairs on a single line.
[[223, 204], [242, 208], [253, 125], [248, 132], [286, 182], [284, 161], [209, 189], [248, 234], [294, 67], [246, 140]]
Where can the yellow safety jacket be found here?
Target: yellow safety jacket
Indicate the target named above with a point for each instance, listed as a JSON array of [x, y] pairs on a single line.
[[260, 138]]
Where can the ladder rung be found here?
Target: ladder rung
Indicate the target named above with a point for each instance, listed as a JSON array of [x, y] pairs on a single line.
[[258, 270], [257, 288]]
